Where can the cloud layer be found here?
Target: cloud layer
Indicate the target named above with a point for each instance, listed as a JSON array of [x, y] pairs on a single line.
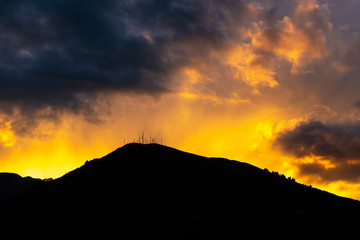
[[331, 151], [64, 56], [59, 55]]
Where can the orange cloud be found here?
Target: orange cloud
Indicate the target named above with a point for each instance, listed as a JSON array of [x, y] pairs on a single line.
[[299, 39], [197, 85], [244, 60], [193, 75]]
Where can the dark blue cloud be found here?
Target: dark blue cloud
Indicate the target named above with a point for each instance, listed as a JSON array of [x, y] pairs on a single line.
[[59, 54]]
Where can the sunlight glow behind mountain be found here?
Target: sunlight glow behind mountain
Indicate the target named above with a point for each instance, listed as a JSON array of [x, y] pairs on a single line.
[[272, 83]]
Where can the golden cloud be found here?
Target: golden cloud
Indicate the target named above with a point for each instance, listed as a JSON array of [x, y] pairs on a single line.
[[299, 39], [243, 59]]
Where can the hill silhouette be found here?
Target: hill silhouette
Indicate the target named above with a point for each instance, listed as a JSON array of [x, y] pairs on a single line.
[[12, 184], [150, 191]]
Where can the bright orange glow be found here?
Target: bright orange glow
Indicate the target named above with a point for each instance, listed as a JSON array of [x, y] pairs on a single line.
[[192, 126], [7, 137], [188, 95], [55, 155]]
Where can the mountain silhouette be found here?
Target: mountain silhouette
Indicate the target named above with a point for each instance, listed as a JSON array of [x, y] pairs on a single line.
[[150, 191], [12, 184]]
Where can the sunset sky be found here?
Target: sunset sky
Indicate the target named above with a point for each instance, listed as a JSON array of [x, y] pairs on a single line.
[[275, 83]]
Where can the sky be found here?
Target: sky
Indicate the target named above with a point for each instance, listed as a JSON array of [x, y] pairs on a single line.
[[274, 83]]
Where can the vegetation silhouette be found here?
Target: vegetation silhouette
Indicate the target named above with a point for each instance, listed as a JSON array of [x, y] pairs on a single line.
[[150, 191]]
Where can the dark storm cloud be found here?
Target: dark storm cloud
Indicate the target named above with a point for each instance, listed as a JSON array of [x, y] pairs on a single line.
[[346, 172], [59, 55], [338, 144]]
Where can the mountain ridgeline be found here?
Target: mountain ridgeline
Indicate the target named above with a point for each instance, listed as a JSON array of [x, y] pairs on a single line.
[[12, 184], [150, 191]]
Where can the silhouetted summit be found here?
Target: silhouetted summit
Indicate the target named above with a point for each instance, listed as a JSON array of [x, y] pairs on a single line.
[[150, 191]]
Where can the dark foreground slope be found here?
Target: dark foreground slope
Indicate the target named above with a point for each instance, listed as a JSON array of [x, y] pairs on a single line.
[[156, 192]]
